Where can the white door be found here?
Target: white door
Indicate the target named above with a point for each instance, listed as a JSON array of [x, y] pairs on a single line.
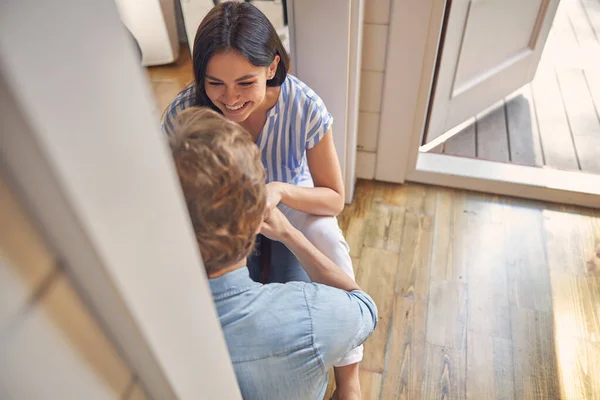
[[490, 49], [416, 30], [83, 151]]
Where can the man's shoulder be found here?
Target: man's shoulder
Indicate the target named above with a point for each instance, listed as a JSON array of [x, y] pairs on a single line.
[[288, 303], [271, 319]]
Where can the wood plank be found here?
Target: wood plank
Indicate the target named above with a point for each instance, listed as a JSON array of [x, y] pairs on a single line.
[[523, 133], [391, 194], [583, 120], [412, 278], [585, 20], [181, 70], [330, 385], [406, 350], [584, 31], [363, 199], [577, 306], [168, 80], [462, 144], [377, 276], [450, 244], [555, 134], [384, 227], [370, 385], [535, 367], [353, 219], [579, 368], [445, 373], [488, 306], [504, 369], [411, 197], [447, 314], [492, 137], [592, 9], [592, 77], [562, 49], [489, 368], [420, 199], [527, 267], [577, 320], [572, 243]]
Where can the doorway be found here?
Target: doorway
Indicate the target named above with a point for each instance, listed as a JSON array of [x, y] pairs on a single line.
[[551, 121], [450, 89]]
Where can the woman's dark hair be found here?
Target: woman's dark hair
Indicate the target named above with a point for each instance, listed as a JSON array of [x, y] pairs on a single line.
[[243, 28]]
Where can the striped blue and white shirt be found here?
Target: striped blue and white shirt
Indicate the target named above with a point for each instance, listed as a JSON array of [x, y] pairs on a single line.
[[297, 123]]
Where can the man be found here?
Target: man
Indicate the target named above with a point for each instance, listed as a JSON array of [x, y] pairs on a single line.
[[282, 338]]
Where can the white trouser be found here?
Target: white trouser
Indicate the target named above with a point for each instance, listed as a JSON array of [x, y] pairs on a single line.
[[325, 234]]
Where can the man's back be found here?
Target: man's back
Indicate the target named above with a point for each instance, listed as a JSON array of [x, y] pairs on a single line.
[[283, 338]]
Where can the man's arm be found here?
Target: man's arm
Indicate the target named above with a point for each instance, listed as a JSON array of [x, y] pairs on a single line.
[[342, 319], [320, 268]]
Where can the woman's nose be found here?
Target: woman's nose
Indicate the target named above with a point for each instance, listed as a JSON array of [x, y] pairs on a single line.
[[231, 95]]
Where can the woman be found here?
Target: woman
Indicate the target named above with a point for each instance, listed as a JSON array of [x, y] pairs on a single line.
[[240, 68]]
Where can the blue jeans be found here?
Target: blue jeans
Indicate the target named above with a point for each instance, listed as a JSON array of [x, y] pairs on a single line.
[[285, 267], [325, 234]]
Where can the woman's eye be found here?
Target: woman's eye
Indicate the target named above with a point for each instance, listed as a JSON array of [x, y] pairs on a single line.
[[215, 83], [246, 84]]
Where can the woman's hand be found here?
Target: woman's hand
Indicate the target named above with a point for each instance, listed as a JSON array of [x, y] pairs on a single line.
[[274, 196]]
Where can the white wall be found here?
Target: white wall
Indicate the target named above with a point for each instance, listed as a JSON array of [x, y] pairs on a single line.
[[323, 34], [81, 144], [51, 347], [193, 12], [374, 47], [154, 25]]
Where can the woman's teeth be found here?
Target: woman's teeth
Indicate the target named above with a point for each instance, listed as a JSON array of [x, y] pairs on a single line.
[[234, 108]]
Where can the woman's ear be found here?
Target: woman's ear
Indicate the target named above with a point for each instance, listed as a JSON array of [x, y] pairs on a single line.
[[273, 66]]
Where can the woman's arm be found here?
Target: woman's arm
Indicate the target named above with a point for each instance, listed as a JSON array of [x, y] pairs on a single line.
[[327, 197]]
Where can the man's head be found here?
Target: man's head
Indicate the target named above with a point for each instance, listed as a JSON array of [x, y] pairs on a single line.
[[223, 183]]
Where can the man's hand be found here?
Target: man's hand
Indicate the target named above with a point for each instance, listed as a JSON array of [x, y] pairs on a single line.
[[277, 227], [274, 196]]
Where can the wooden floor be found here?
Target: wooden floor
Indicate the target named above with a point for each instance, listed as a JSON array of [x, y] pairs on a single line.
[[479, 297], [168, 80], [555, 120]]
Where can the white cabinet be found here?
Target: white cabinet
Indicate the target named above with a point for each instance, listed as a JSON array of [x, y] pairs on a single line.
[[153, 24]]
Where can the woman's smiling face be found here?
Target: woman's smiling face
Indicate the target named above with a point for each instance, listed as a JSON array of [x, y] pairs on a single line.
[[236, 86]]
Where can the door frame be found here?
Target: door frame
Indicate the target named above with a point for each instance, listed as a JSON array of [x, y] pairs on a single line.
[[415, 29], [88, 162], [326, 45]]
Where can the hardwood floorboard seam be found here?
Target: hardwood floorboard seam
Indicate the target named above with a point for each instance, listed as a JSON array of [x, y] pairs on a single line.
[[506, 130], [510, 309], [587, 84], [386, 358], [586, 11], [562, 101], [537, 121], [476, 138]]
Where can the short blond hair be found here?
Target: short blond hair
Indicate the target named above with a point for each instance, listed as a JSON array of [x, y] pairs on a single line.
[[223, 182]]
